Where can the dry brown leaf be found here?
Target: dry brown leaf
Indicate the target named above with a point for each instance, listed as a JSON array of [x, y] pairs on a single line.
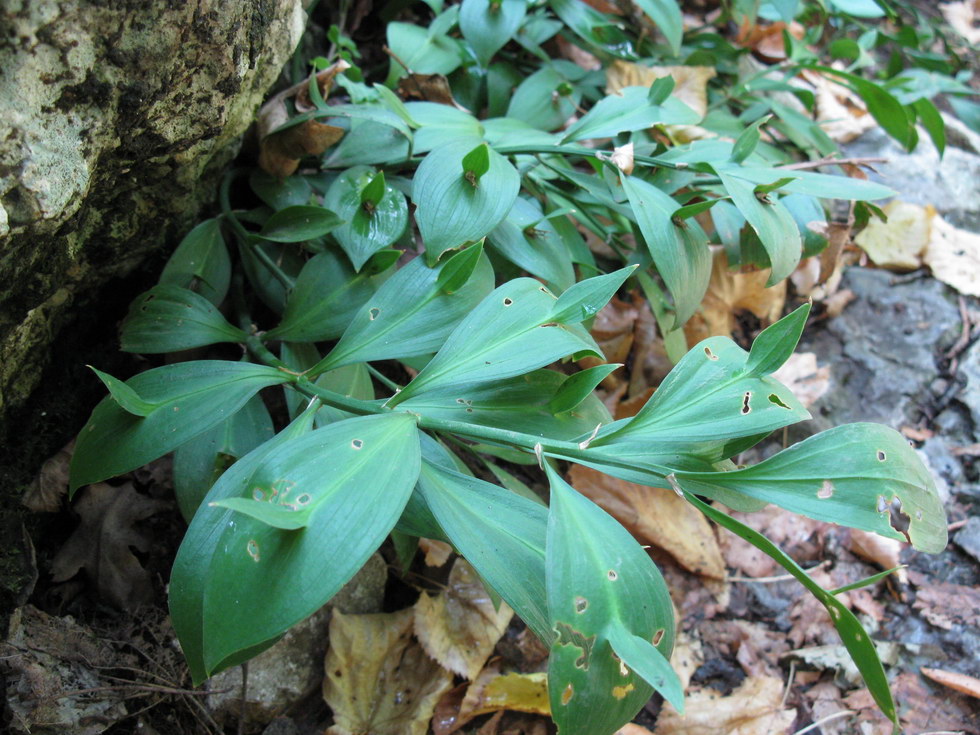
[[756, 648], [436, 553], [577, 55], [492, 691], [103, 542], [946, 605], [841, 113], [960, 682], [633, 729], [729, 293], [767, 39], [837, 658], [884, 552], [801, 374], [962, 17], [48, 489], [899, 243], [953, 255], [622, 156], [686, 657], [428, 88], [459, 627], [917, 433], [921, 710], [280, 153], [688, 537], [378, 680], [826, 701], [755, 708]]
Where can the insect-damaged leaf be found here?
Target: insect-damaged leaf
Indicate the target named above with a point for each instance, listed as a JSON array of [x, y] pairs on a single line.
[[512, 331], [849, 475], [346, 484], [190, 398], [170, 318], [603, 590], [452, 210]]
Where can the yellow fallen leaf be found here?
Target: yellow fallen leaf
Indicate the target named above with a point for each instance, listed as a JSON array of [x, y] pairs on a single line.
[[378, 680], [688, 537], [492, 691], [755, 708], [960, 682], [953, 255], [729, 293], [460, 626], [900, 242]]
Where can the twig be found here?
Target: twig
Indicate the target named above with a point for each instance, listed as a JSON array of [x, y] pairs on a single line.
[[828, 718], [789, 683], [242, 710], [133, 687], [780, 578], [832, 162]]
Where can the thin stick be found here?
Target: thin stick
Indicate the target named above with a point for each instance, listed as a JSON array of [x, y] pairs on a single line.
[[828, 718], [780, 578], [832, 162], [133, 687]]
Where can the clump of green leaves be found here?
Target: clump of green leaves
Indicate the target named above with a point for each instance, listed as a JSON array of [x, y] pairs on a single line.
[[279, 521]]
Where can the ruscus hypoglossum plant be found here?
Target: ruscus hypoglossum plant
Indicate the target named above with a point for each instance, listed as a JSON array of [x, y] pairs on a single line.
[[352, 288]]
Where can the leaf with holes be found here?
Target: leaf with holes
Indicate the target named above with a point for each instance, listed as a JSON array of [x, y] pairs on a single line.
[[412, 313], [679, 251], [488, 25], [201, 263], [190, 398], [511, 332], [603, 591], [344, 485], [170, 318], [453, 211], [327, 295], [370, 224], [849, 475]]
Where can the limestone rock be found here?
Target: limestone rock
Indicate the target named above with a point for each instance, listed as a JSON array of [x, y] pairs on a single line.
[[116, 120]]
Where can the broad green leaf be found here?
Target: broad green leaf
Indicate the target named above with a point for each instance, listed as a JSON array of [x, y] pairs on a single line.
[[125, 396], [746, 143], [628, 110], [855, 638], [452, 212], [512, 331], [170, 318], [189, 576], [499, 532], [201, 263], [351, 381], [280, 193], [850, 475], [487, 25], [933, 122], [199, 463], [776, 343], [369, 142], [476, 163], [826, 186], [458, 270], [369, 224], [441, 123], [512, 483], [578, 387], [884, 108], [645, 659], [299, 223], [584, 299], [421, 51], [667, 16], [773, 224], [410, 315], [327, 295], [349, 482], [267, 286], [660, 90], [599, 579], [858, 8], [681, 254], [545, 100], [190, 398], [521, 403], [530, 241], [598, 29]]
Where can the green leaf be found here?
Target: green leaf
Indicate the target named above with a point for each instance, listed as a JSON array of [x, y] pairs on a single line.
[[200, 462], [681, 254], [125, 396], [646, 660], [584, 299], [374, 215], [850, 475], [410, 315], [853, 635], [488, 25], [539, 102], [578, 387], [421, 51], [280, 193], [450, 211], [599, 579], [299, 223], [531, 242], [628, 110], [809, 182], [327, 295], [776, 343], [201, 263], [521, 403], [349, 483], [597, 29], [499, 532], [459, 268], [660, 90], [773, 224], [667, 16], [884, 108], [511, 332], [933, 122], [190, 398], [439, 124], [476, 163], [170, 318], [747, 141]]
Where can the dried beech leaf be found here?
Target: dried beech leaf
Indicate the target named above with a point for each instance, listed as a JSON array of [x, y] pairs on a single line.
[[882, 551], [924, 709], [755, 708], [460, 626], [729, 293], [280, 153], [953, 255], [900, 242], [378, 680], [46, 491], [960, 682], [428, 88], [436, 553], [946, 605], [688, 537], [492, 691], [801, 374], [324, 80], [101, 544]]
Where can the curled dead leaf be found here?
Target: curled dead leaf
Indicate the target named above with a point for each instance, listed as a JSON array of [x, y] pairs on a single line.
[[960, 682], [436, 553], [953, 255], [428, 88], [754, 708], [48, 489], [378, 680], [460, 626], [900, 242]]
